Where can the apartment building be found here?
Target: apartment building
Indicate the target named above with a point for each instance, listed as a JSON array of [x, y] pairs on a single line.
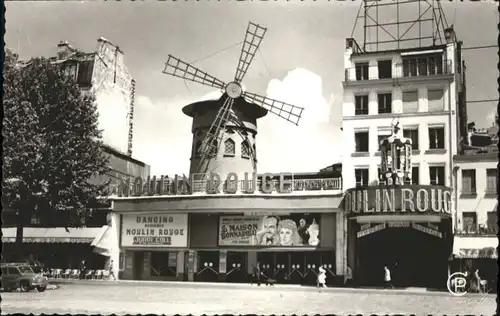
[[423, 89], [104, 72], [475, 243]]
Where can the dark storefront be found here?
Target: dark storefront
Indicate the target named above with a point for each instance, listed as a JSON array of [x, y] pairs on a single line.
[[406, 228]]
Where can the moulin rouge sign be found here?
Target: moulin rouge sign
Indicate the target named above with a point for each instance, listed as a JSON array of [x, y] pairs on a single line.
[[213, 184], [399, 199]]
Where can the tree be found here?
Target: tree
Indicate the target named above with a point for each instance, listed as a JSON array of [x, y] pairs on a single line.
[[52, 146]]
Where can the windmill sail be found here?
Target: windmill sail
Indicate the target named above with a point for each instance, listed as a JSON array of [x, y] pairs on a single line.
[[253, 38], [289, 112], [178, 68]]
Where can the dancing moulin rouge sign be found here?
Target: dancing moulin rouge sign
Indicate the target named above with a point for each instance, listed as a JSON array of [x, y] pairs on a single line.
[[422, 199]]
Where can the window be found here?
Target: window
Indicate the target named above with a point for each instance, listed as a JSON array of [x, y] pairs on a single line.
[[12, 271], [196, 148], [436, 100], [380, 139], [412, 133], [384, 69], [361, 71], [361, 177], [85, 70], [409, 67], [229, 147], [436, 175], [436, 137], [422, 66], [384, 103], [245, 149], [410, 102], [491, 181], [70, 69], [163, 264], [435, 65], [361, 139], [361, 105], [469, 221], [468, 182], [492, 226], [415, 177]]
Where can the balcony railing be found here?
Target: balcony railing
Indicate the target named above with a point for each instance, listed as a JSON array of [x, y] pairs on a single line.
[[480, 230], [169, 187], [415, 68]]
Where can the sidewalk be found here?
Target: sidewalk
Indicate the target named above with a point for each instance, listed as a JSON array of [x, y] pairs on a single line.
[[406, 291]]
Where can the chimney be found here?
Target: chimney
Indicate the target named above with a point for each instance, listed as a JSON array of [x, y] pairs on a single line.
[[64, 50], [449, 35]]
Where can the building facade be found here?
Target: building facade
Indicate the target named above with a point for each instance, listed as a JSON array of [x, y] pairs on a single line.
[[180, 229], [421, 92], [476, 242], [104, 73]]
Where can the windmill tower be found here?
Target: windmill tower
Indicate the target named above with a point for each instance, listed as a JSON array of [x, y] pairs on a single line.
[[225, 130]]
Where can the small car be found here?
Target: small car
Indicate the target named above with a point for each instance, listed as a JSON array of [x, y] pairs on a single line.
[[21, 275]]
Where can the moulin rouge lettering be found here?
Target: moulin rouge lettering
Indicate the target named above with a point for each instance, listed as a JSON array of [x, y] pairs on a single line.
[[401, 200], [212, 184]]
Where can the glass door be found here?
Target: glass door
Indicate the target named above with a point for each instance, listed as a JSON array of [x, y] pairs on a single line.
[[282, 266], [296, 274], [236, 270], [208, 266]]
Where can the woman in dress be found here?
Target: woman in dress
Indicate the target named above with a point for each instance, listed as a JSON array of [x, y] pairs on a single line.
[[321, 277]]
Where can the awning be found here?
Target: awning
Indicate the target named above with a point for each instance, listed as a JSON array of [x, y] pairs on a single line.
[[103, 243], [84, 235], [473, 247]]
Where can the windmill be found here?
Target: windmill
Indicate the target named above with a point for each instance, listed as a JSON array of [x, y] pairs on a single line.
[[233, 93]]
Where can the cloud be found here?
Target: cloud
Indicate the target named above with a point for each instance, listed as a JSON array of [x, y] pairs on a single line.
[[163, 136], [308, 147]]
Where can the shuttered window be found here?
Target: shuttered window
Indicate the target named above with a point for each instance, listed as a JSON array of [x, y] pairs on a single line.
[[469, 182]]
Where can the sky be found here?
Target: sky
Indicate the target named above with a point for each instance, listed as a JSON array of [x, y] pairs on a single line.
[[300, 61]]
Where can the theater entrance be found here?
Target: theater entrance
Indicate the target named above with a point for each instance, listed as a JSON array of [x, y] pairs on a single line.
[[414, 257], [297, 267], [236, 269]]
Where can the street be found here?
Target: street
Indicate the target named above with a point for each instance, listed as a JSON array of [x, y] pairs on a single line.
[[195, 298]]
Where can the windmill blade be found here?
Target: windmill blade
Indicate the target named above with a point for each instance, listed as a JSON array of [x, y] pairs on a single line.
[[178, 68], [212, 140], [289, 112], [253, 37]]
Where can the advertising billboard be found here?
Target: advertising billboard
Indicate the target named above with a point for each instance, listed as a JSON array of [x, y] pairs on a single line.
[[296, 230], [155, 230]]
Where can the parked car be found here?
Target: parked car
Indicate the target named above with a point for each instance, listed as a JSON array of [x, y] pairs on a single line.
[[20, 275]]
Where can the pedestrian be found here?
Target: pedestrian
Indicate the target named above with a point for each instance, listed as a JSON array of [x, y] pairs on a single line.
[[111, 271], [82, 269], [348, 277], [321, 277], [256, 274], [387, 278]]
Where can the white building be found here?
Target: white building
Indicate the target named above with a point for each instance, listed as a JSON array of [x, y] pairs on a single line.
[[421, 89]]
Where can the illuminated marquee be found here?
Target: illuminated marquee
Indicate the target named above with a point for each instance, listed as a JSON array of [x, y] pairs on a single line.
[[404, 199]]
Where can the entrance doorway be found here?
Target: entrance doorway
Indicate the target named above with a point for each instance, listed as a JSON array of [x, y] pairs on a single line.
[[413, 257], [138, 264], [208, 266], [236, 270], [297, 267]]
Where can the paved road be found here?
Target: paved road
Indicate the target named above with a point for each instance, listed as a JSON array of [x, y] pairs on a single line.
[[237, 299]]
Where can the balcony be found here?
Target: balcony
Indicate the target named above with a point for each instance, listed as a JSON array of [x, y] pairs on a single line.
[[406, 71], [478, 230]]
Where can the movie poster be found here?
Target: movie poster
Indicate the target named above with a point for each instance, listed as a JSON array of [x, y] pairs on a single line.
[[296, 230]]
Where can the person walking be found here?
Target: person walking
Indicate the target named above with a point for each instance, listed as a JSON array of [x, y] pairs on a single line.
[[348, 277], [256, 274], [387, 278], [321, 278], [83, 267], [111, 271]]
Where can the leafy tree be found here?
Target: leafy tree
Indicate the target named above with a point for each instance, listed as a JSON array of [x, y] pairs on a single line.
[[52, 146]]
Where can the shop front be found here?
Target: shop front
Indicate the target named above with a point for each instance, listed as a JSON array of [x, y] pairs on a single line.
[[154, 245], [406, 228], [214, 238], [471, 253]]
